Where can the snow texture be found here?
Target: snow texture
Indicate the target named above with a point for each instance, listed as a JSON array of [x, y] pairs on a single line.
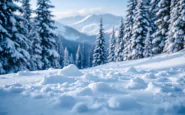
[[153, 86]]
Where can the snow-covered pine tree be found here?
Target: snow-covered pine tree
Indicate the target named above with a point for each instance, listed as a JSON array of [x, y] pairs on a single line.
[[79, 58], [162, 22], [112, 43], [13, 46], [83, 53], [27, 24], [141, 26], [36, 51], [60, 50], [66, 57], [174, 40], [99, 51], [27, 9], [45, 24], [71, 60], [120, 43], [153, 11], [90, 56], [182, 19], [33, 38], [129, 27], [148, 45]]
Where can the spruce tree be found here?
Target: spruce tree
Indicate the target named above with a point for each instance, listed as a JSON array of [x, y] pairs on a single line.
[[46, 25], [99, 51], [148, 45], [79, 58], [112, 43], [120, 43], [90, 56], [141, 25], [83, 53], [60, 50], [71, 60], [129, 28], [181, 4], [13, 46], [174, 40], [66, 57], [36, 51], [33, 38], [153, 11], [162, 23]]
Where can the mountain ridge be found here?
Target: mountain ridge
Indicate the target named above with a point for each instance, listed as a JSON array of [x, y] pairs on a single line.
[[89, 24]]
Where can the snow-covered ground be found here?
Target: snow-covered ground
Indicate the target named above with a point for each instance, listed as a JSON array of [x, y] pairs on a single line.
[[152, 86]]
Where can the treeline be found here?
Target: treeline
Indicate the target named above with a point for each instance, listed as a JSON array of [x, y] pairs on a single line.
[[151, 27], [30, 43]]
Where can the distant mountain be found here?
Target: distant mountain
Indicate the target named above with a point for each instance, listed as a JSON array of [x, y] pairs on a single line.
[[90, 24], [71, 20], [72, 34]]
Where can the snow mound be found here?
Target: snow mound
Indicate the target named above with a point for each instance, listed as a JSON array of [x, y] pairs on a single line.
[[163, 79], [80, 108], [123, 103], [50, 79], [137, 83], [70, 70], [25, 73], [153, 88], [66, 101], [131, 69], [85, 92], [90, 77], [162, 73], [101, 87], [149, 76]]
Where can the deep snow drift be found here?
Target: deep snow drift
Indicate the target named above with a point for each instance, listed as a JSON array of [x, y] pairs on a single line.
[[152, 86]]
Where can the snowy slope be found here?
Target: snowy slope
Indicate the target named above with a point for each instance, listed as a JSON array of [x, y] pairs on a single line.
[[89, 24], [152, 86]]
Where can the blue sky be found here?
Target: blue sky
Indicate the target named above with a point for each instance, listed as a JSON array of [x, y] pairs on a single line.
[[65, 8]]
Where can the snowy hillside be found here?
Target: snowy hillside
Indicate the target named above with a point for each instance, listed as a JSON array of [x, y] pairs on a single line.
[[151, 86], [89, 24], [72, 34]]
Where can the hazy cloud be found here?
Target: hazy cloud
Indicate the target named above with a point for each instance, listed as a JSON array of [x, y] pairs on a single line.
[[61, 14]]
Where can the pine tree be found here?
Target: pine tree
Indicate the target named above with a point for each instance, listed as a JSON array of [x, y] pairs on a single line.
[[182, 19], [13, 46], [148, 45], [174, 40], [79, 58], [27, 9], [99, 51], [141, 25], [33, 38], [120, 43], [60, 50], [45, 24], [112, 43], [36, 51], [71, 60], [83, 53], [129, 28], [162, 23], [90, 56], [66, 57], [153, 11]]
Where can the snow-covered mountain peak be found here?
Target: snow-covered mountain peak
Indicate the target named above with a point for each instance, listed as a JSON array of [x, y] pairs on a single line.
[[89, 24]]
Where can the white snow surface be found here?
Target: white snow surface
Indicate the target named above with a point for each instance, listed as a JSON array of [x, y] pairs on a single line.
[[151, 86]]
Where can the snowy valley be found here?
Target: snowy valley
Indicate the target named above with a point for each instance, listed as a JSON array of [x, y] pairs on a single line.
[[140, 87]]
